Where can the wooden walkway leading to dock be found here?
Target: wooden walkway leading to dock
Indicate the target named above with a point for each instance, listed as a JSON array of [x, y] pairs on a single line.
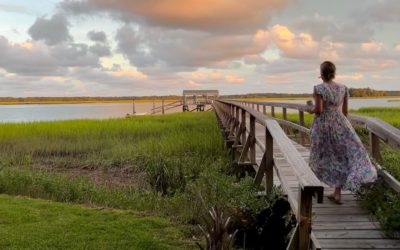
[[259, 142]]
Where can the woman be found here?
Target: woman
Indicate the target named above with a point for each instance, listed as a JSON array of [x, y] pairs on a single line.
[[338, 156]]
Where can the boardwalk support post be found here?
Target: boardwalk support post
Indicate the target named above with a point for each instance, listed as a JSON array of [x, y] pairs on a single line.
[[305, 214], [374, 145]]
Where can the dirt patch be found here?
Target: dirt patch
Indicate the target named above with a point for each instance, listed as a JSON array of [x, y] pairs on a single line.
[[113, 177]]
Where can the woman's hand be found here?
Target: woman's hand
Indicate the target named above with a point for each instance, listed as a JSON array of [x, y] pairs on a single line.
[[310, 109]]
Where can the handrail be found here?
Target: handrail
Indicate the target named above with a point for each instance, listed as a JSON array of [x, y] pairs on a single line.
[[382, 129], [238, 126], [377, 128], [168, 104]]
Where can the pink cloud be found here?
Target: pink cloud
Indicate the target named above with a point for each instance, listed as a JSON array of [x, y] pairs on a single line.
[[352, 77], [207, 15], [280, 78], [371, 47], [234, 79], [213, 78]]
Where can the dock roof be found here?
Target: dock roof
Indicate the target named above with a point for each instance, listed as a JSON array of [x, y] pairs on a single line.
[[201, 92]]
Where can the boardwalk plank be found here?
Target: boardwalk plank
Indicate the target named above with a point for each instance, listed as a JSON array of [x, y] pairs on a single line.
[[359, 243], [364, 225], [349, 234]]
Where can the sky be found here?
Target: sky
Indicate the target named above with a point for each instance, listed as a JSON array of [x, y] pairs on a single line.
[[152, 47]]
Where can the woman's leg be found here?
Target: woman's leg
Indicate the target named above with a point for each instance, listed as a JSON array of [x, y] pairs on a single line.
[[338, 194]]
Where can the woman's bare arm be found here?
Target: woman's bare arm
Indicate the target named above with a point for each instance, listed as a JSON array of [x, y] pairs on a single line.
[[319, 105], [345, 106]]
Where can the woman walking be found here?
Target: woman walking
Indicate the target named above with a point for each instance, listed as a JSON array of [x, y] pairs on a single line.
[[338, 156]]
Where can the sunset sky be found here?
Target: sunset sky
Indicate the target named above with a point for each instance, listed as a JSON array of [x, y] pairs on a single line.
[[153, 47]]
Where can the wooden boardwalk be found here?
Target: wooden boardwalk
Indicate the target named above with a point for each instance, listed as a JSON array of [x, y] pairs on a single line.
[[346, 226]]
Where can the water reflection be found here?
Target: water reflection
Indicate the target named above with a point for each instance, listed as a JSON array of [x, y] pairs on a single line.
[[41, 112]]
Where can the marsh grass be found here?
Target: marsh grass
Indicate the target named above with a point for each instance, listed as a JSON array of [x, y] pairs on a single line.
[[167, 148], [176, 163]]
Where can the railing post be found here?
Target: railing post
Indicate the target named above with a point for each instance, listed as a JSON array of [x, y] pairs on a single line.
[[267, 164], [243, 120], [301, 118], [253, 138], [301, 121], [305, 214], [374, 146], [258, 107], [162, 106], [264, 111], [284, 113], [237, 114], [272, 111], [269, 161]]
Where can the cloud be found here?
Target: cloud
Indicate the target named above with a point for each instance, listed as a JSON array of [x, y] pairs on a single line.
[[204, 15], [372, 47], [235, 79], [352, 77], [180, 48], [201, 77], [379, 12], [52, 31], [100, 50], [378, 64], [13, 8], [280, 78], [294, 46], [38, 59], [131, 73], [77, 7], [327, 28], [25, 58], [97, 36], [254, 59]]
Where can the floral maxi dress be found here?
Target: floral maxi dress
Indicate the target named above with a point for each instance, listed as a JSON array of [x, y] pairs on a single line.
[[338, 156]]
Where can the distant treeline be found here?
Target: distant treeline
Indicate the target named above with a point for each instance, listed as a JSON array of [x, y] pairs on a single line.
[[354, 92], [267, 95], [84, 98], [366, 92]]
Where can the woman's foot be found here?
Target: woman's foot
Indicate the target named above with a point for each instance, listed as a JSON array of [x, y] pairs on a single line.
[[335, 198]]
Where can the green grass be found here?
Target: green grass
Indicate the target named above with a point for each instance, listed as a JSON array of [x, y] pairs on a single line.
[[389, 114], [37, 224], [88, 161], [171, 166], [115, 143]]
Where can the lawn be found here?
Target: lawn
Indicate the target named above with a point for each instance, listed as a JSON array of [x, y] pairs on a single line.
[[38, 224]]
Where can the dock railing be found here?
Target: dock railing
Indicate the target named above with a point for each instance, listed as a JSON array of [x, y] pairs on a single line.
[[238, 124], [378, 130]]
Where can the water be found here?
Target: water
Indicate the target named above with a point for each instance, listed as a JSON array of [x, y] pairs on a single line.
[[360, 103], [50, 112]]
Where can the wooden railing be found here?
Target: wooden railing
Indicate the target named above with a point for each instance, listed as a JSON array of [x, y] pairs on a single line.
[[164, 107], [238, 124], [378, 131]]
